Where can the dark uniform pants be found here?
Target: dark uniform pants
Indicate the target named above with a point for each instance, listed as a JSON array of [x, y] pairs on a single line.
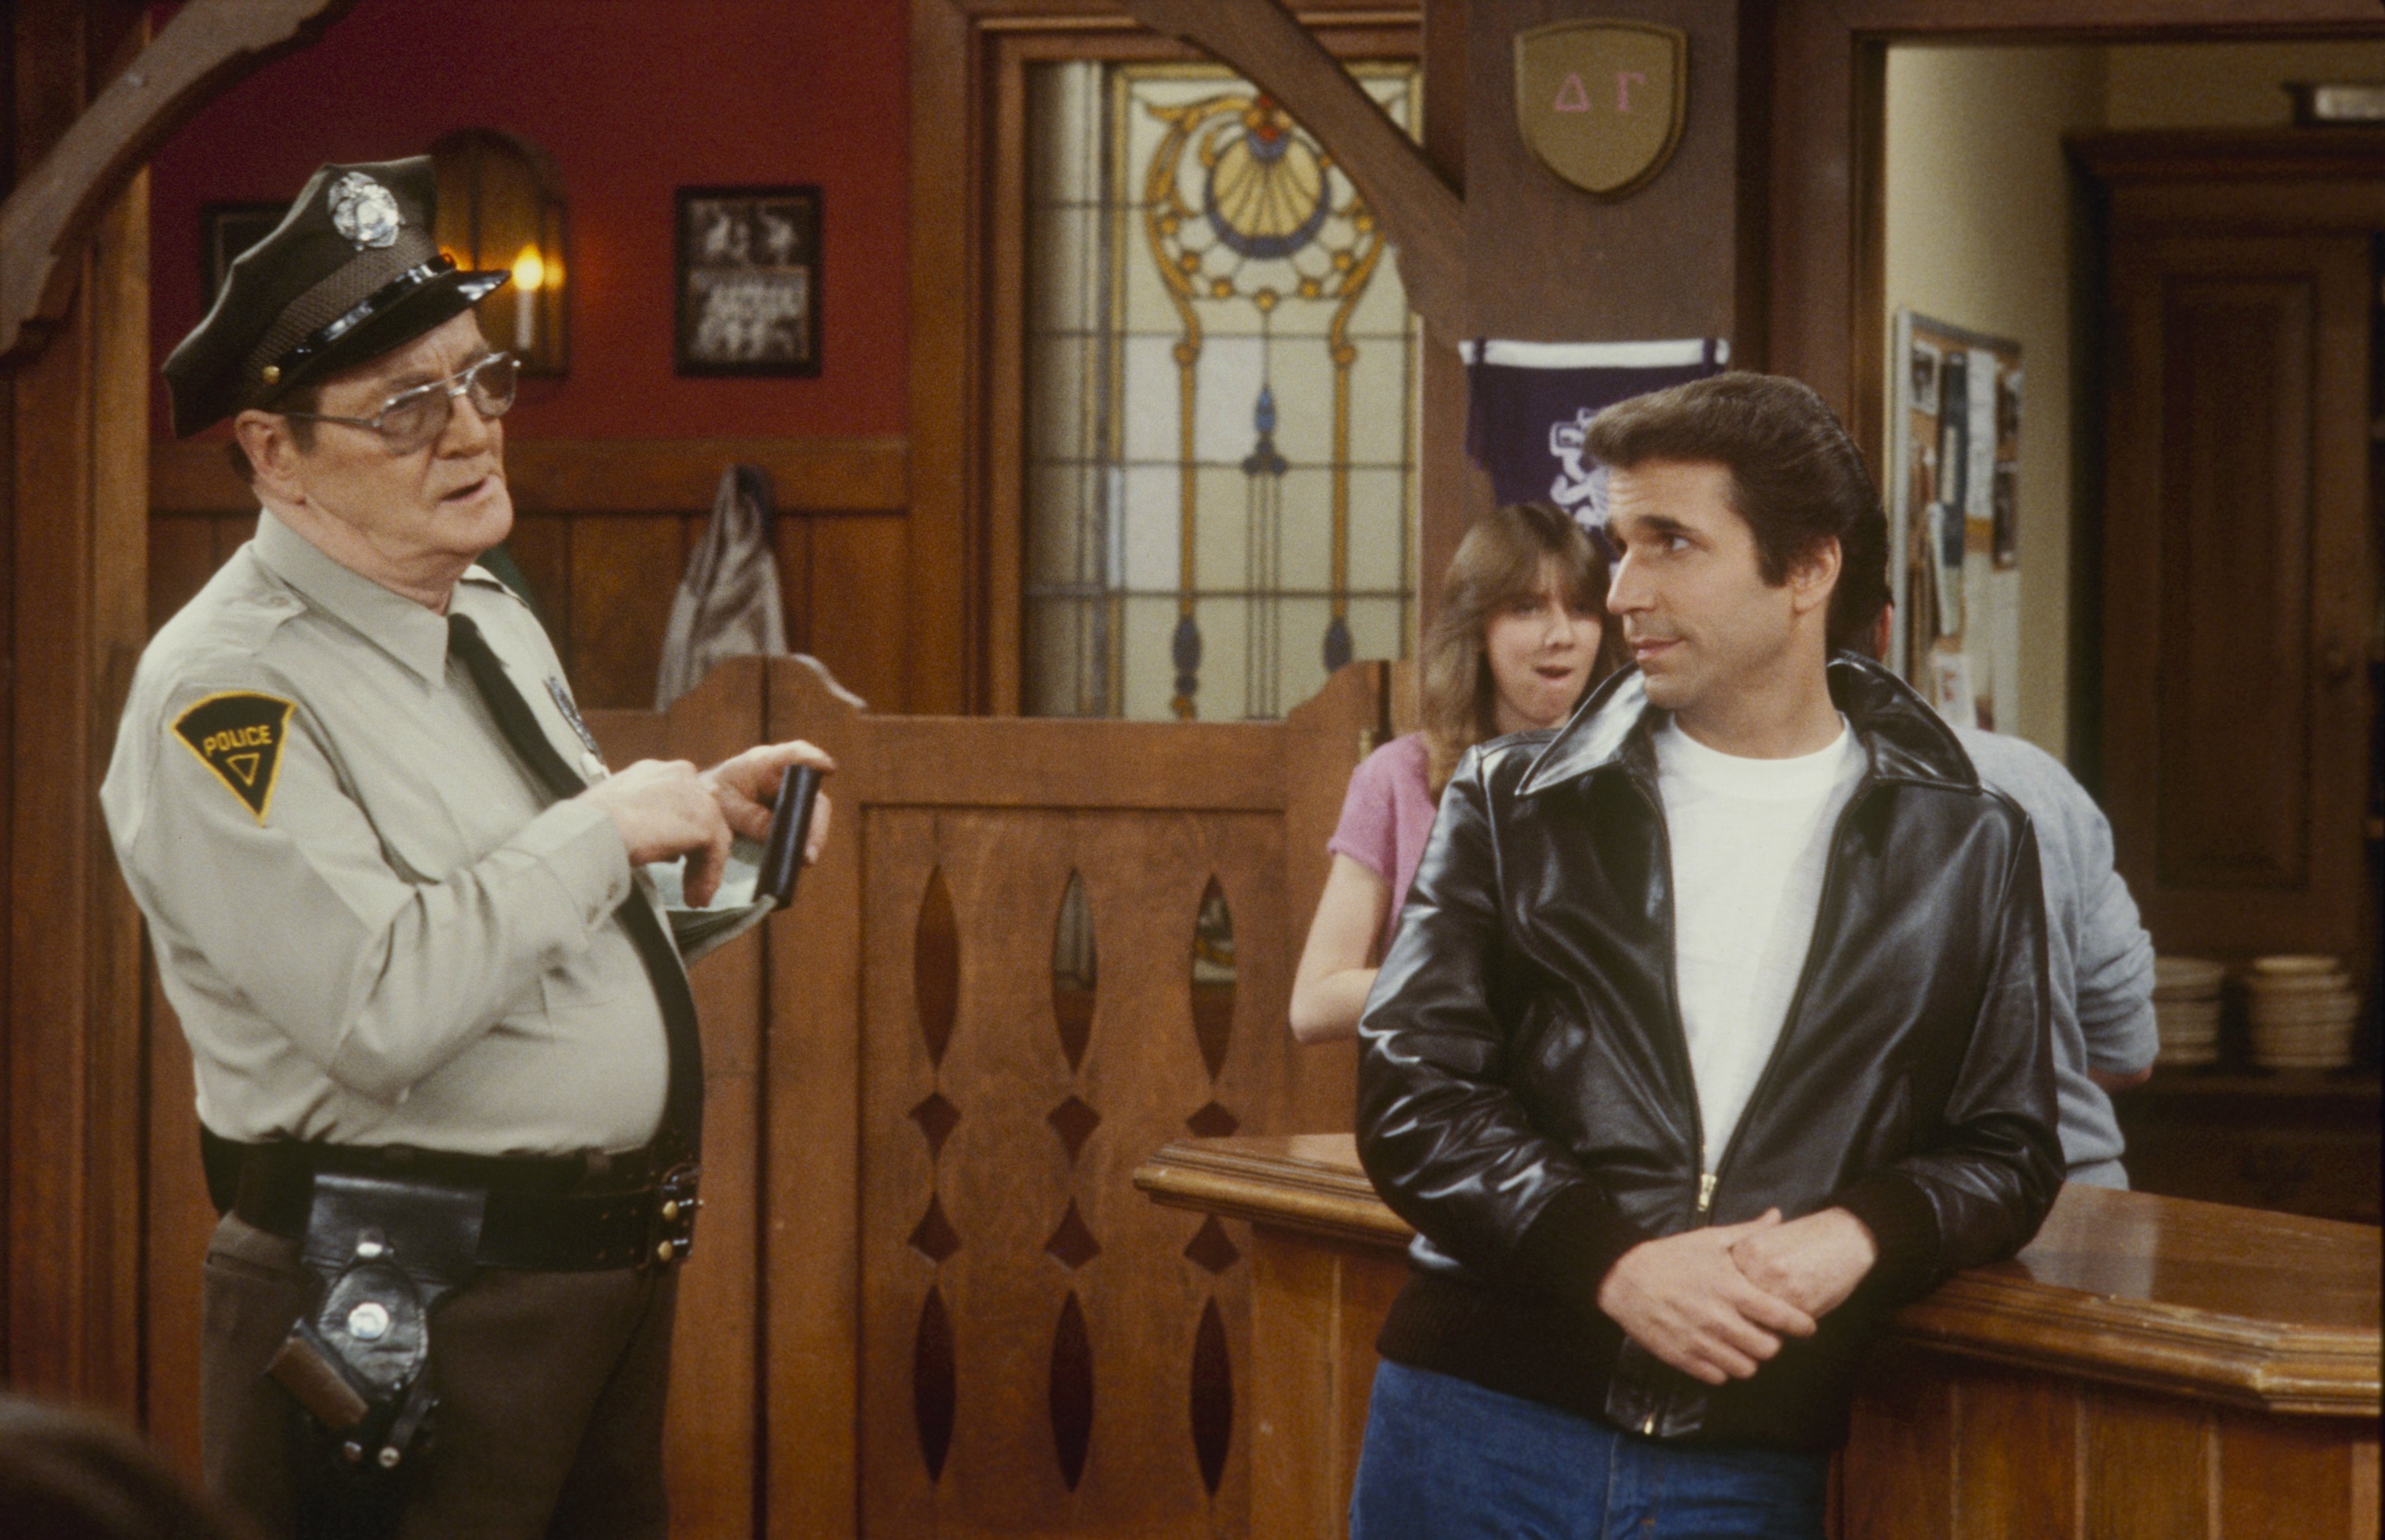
[[550, 1385]]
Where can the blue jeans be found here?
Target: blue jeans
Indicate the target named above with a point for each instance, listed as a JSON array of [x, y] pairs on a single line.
[[1445, 1459]]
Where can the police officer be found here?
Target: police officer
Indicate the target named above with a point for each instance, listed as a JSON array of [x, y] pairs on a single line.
[[446, 1056]]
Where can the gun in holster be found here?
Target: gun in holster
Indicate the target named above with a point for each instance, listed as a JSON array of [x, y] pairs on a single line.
[[359, 1360]]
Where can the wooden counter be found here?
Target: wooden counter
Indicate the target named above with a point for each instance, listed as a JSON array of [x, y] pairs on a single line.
[[2148, 1367]]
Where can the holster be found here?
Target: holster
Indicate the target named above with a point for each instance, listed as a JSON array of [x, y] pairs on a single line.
[[358, 1362]]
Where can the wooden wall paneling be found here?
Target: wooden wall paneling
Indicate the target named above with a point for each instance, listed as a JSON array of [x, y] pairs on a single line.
[[117, 554], [2019, 1470], [710, 1440], [180, 1219], [2284, 1481], [1548, 262], [1303, 1294], [2169, 1450], [540, 546], [1451, 491], [811, 1140], [792, 544], [1002, 543], [1903, 1426], [863, 615], [74, 995], [624, 569], [182, 557], [945, 421]]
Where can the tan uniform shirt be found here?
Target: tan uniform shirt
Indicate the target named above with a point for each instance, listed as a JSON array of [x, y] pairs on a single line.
[[373, 926]]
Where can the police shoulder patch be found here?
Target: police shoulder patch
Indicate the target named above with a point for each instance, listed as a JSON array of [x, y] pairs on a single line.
[[237, 734]]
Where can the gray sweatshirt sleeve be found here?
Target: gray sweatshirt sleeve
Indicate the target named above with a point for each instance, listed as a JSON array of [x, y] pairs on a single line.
[[2116, 956]]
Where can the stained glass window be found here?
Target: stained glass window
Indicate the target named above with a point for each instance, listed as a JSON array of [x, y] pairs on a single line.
[[1222, 399]]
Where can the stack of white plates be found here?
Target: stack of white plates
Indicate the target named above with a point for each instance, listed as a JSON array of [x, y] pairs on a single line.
[[2186, 1007], [2301, 1011]]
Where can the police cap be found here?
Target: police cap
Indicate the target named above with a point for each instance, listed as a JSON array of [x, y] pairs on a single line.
[[350, 273]]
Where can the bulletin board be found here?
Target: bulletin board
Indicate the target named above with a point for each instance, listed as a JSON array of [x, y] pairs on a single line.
[[1954, 518]]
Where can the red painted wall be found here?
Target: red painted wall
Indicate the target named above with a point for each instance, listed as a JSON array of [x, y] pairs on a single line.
[[631, 98]]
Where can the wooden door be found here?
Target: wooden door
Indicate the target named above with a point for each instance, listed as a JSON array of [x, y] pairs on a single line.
[[2238, 584]]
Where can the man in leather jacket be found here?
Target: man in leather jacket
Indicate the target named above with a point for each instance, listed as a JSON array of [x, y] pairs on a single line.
[[1715, 1028]]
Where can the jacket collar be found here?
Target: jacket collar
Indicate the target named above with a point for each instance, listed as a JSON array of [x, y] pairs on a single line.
[[1903, 739]]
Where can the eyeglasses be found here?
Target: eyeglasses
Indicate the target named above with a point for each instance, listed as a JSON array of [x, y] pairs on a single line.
[[416, 419]]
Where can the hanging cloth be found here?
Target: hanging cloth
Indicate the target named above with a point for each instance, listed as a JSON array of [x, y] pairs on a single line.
[[729, 604], [1529, 403]]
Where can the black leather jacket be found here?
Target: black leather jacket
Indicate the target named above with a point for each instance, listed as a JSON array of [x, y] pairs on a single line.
[[1525, 1096]]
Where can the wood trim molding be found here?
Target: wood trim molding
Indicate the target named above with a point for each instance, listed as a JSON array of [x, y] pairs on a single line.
[[1424, 215], [1308, 1183], [208, 45], [608, 476], [2121, 1287]]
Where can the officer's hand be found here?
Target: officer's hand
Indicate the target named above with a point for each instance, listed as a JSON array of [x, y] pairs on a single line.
[[664, 809], [1813, 1262], [1684, 1299], [747, 787]]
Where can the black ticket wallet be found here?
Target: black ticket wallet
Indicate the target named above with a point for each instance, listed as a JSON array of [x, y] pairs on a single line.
[[791, 825]]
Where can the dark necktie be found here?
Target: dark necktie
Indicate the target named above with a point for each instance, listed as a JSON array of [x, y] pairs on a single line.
[[683, 1103]]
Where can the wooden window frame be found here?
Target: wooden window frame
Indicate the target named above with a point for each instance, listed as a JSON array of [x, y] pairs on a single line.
[[968, 309]]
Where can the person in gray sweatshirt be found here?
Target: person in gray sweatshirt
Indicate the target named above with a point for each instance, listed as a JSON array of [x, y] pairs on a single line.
[[2099, 960]]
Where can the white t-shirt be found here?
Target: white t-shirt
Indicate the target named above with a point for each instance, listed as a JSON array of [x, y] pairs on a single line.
[[1750, 838]]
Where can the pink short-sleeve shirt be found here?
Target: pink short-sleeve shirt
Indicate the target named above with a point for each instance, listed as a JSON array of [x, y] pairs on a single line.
[[1386, 816]]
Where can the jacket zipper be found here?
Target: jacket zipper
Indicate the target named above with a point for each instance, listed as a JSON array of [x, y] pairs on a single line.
[[1797, 998], [1682, 1039], [1709, 1180]]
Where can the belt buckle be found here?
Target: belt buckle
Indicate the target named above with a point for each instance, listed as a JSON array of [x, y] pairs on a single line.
[[671, 1234]]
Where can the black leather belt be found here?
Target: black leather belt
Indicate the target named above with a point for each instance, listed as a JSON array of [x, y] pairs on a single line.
[[548, 1213]]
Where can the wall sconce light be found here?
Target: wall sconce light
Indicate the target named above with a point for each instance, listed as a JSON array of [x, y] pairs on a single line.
[[500, 206]]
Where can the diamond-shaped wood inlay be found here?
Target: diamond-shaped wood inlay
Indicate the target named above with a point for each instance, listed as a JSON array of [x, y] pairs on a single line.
[[1213, 1122], [1211, 1247], [934, 1237], [937, 1118], [1073, 1245], [1075, 1122]]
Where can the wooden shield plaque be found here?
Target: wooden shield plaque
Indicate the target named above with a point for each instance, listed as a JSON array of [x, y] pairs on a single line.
[[1601, 102]]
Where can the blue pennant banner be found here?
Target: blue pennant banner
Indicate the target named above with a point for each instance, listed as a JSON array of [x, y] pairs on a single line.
[[1529, 403]]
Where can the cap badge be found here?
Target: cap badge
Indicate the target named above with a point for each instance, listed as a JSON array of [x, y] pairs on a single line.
[[364, 211]]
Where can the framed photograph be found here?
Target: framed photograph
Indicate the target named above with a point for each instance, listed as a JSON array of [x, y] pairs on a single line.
[[225, 232], [749, 281]]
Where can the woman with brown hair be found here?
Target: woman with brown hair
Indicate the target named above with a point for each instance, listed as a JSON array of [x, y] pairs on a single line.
[[1520, 638]]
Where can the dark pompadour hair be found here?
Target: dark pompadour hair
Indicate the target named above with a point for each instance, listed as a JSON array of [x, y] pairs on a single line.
[[1796, 477]]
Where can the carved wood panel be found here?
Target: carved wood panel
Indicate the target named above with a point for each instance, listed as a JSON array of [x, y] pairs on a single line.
[[1042, 1350]]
